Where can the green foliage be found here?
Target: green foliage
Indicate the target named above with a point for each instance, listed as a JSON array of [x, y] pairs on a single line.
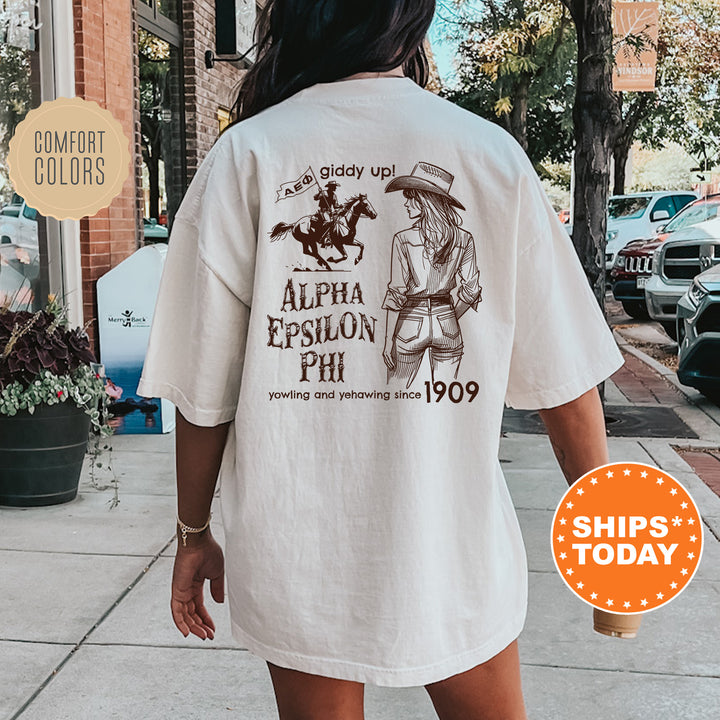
[[516, 67], [15, 100], [81, 387], [686, 108]]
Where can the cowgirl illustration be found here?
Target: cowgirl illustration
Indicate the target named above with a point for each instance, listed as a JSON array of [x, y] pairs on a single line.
[[429, 260]]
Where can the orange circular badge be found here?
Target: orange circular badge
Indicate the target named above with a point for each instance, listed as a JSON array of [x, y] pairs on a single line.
[[627, 538]]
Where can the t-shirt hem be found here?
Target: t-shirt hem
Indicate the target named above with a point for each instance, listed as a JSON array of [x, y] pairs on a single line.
[[569, 391], [193, 414], [382, 676]]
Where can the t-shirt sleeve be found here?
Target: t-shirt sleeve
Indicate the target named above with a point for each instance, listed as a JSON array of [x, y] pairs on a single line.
[[197, 340], [562, 345]]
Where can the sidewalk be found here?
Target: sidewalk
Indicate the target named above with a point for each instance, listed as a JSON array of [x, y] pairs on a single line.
[[86, 631]]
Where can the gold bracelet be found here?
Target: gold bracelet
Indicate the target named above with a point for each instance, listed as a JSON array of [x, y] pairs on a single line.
[[185, 529]]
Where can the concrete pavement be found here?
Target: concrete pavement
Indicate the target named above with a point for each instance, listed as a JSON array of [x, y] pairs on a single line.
[[86, 632]]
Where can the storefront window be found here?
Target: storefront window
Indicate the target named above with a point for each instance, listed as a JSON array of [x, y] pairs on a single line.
[[23, 232], [162, 133], [167, 8]]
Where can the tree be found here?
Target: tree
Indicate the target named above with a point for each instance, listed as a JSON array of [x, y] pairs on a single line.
[[516, 67], [15, 100], [688, 75], [596, 121]]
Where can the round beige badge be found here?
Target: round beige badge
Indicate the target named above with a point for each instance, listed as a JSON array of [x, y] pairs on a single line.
[[69, 158]]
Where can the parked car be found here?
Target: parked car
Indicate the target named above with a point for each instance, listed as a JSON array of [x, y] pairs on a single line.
[[632, 268], [698, 331], [675, 264], [637, 216], [19, 251], [18, 224]]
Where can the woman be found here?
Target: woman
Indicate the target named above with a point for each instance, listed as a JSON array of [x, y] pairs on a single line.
[[362, 545], [428, 260]]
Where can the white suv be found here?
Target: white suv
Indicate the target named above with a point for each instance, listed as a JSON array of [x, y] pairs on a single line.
[[675, 263], [638, 216]]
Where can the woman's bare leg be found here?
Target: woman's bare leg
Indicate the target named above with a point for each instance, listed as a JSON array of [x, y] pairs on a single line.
[[301, 696], [491, 691]]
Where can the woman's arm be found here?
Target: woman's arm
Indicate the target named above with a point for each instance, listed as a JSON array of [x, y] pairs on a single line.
[[198, 452], [577, 434], [392, 318]]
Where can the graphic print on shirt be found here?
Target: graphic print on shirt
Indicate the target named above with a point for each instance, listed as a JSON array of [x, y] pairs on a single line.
[[331, 228], [429, 259]]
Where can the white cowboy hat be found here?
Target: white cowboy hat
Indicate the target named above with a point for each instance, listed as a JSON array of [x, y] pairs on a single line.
[[426, 177]]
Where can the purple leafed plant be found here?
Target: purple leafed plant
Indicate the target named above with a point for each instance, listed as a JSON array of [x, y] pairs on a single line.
[[31, 343]]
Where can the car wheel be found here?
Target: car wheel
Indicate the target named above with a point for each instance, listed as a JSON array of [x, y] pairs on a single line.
[[670, 328], [636, 309]]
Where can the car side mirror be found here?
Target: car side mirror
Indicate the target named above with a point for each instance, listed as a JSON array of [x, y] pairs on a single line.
[[660, 229], [657, 215]]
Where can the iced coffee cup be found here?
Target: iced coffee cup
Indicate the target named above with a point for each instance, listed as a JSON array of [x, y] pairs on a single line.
[[616, 624]]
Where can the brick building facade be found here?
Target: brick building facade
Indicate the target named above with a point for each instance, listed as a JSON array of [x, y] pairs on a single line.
[[107, 71], [206, 90]]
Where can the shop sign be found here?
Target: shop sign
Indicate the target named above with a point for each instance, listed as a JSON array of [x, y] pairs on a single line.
[[635, 30]]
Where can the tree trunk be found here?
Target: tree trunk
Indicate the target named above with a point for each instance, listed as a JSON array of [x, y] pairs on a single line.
[[596, 122], [628, 125], [621, 151], [153, 168], [518, 114]]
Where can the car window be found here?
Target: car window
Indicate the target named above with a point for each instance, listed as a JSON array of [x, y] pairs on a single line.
[[11, 210], [682, 200], [627, 208], [29, 213], [665, 203], [693, 214]]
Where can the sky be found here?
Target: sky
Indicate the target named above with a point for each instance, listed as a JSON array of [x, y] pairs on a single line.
[[443, 50]]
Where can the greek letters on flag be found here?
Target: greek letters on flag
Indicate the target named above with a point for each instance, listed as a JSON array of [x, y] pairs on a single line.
[[297, 187]]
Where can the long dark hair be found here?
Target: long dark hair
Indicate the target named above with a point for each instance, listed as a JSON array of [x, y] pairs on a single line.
[[304, 42], [439, 223]]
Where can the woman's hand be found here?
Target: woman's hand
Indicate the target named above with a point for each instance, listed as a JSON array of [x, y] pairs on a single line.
[[387, 354], [193, 565]]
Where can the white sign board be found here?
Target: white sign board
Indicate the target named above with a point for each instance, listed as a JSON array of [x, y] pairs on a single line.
[[126, 301], [245, 16]]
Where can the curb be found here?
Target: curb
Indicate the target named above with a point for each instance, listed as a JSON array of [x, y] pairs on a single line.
[[694, 398]]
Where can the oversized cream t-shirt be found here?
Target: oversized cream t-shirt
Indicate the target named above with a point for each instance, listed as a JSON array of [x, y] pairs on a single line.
[[369, 532]]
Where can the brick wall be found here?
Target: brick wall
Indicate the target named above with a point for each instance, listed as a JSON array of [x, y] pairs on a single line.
[[105, 72], [205, 90]]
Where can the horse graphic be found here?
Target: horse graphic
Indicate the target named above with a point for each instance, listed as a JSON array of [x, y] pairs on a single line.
[[340, 231]]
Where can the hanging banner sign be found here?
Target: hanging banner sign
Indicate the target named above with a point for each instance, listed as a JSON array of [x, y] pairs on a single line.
[[245, 16], [635, 30], [235, 27]]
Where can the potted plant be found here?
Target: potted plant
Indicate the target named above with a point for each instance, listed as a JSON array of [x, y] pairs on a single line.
[[51, 398]]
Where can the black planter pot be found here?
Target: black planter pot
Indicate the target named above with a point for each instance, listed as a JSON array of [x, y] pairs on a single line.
[[41, 455]]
